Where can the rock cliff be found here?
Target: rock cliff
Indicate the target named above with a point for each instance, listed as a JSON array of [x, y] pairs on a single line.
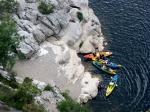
[[63, 23], [71, 36]]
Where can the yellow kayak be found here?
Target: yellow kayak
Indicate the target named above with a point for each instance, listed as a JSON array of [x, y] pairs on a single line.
[[112, 85], [105, 53], [110, 88]]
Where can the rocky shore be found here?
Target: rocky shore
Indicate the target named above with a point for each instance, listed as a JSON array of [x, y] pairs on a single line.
[[51, 43]]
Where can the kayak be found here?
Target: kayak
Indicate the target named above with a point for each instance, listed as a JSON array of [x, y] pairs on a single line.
[[92, 57], [112, 85], [109, 64], [104, 68]]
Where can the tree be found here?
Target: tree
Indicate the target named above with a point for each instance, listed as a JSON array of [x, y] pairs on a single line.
[[9, 41], [25, 94], [8, 6]]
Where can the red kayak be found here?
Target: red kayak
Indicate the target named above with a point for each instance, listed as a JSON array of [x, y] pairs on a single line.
[[94, 57]]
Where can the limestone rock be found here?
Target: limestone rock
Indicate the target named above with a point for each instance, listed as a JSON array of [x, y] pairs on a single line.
[[59, 24], [49, 100], [34, 28], [89, 88], [37, 26]]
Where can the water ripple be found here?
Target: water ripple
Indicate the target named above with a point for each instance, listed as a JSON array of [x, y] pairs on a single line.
[[126, 26]]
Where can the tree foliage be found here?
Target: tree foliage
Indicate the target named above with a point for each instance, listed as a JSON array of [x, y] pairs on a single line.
[[9, 41], [69, 105], [8, 6], [23, 97], [11, 82], [8, 34], [25, 94]]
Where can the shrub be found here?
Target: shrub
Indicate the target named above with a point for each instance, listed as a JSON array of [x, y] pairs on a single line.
[[48, 88], [25, 94], [8, 6], [5, 93], [9, 40], [27, 80], [66, 95], [69, 105], [21, 56], [12, 82], [80, 16], [23, 97], [45, 8], [33, 108]]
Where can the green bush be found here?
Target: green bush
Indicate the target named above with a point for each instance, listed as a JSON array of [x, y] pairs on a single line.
[[25, 94], [9, 41], [27, 80], [69, 105], [12, 82], [45, 8], [80, 16], [20, 99], [21, 56], [33, 108], [48, 88], [5, 93], [8, 6]]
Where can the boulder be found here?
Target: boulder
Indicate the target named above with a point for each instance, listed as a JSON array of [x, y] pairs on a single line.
[[89, 88], [49, 100]]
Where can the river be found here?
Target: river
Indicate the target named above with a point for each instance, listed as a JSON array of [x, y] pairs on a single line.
[[126, 27]]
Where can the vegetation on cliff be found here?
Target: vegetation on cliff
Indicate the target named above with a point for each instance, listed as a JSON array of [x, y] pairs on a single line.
[[69, 105], [45, 8], [22, 97], [80, 16], [9, 38], [8, 7], [8, 42]]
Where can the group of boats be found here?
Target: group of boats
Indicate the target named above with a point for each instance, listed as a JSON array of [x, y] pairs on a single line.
[[101, 62]]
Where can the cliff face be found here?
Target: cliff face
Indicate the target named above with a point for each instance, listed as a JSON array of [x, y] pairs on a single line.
[[56, 60], [63, 23]]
